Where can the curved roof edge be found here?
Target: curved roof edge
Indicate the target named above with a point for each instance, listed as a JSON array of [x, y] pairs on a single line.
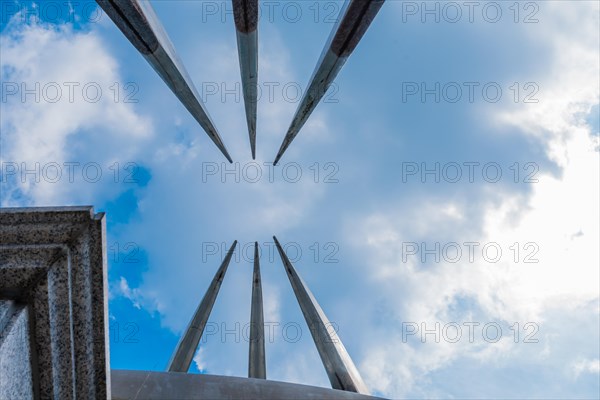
[[160, 385]]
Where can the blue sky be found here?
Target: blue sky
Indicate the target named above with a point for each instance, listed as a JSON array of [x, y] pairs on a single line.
[[370, 211]]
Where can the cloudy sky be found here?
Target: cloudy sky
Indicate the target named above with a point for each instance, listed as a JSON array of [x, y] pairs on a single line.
[[441, 203]]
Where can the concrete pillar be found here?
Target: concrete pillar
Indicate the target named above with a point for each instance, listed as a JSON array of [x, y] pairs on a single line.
[[245, 13], [53, 304], [355, 18], [140, 24], [340, 369], [186, 348], [256, 358]]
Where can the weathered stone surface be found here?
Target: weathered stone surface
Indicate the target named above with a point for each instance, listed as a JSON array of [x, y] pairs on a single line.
[[15, 369], [53, 282]]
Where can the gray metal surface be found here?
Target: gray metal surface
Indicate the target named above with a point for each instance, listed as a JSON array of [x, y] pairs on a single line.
[[139, 23], [245, 14], [149, 385], [340, 369], [186, 348], [256, 355], [355, 18]]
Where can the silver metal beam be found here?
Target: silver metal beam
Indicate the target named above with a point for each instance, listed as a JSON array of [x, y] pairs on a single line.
[[140, 24], [186, 348], [245, 13], [340, 369], [355, 18], [256, 358]]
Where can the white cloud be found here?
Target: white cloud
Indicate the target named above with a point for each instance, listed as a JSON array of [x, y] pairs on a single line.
[[132, 294], [586, 366], [71, 116], [560, 215], [200, 359]]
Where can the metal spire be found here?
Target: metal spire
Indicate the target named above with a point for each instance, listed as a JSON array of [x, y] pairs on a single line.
[[140, 24], [186, 348], [354, 20], [256, 358], [245, 14], [342, 373]]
